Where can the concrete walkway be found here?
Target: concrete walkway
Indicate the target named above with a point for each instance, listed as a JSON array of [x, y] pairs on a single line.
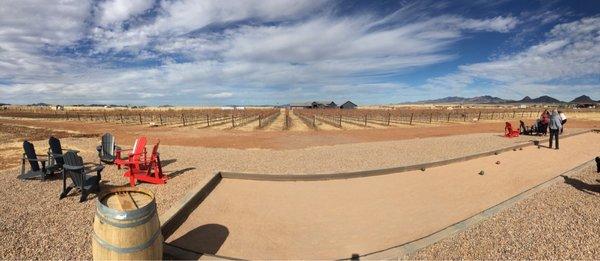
[[335, 219]]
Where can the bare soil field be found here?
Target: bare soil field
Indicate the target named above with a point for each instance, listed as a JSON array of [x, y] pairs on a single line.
[[276, 138], [11, 136]]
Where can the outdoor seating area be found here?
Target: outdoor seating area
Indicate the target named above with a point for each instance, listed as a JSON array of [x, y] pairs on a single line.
[[59, 163]]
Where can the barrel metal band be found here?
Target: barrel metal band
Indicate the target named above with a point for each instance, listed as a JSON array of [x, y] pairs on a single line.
[[126, 250], [123, 215], [106, 220]]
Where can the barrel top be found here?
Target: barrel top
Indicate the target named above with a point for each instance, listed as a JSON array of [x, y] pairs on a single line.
[[126, 199]]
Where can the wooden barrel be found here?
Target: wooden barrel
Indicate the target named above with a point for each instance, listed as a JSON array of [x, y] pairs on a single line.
[[126, 226]]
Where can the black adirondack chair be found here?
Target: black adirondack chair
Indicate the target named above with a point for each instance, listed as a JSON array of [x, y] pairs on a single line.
[[107, 149], [55, 153], [82, 178], [34, 162]]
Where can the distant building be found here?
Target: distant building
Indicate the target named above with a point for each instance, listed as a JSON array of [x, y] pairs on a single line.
[[348, 105], [314, 105]]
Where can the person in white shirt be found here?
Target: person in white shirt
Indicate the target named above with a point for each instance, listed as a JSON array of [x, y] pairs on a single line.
[[563, 119]]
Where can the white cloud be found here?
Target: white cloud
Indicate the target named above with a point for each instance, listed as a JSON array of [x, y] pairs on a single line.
[[27, 27], [497, 24], [115, 11], [571, 51], [202, 51], [219, 95]]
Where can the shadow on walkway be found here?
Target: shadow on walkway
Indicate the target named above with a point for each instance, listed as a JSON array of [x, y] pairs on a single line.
[[205, 239], [179, 172], [582, 186]]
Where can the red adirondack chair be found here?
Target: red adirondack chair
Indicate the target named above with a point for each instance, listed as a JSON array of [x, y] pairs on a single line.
[[150, 172], [509, 132], [136, 155]]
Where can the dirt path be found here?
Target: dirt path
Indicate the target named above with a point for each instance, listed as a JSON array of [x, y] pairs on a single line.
[[298, 124], [336, 218], [277, 124]]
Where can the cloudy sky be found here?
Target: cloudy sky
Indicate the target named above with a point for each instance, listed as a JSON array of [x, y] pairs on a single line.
[[192, 52]]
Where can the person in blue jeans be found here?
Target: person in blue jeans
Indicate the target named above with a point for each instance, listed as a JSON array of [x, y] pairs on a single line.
[[554, 125]]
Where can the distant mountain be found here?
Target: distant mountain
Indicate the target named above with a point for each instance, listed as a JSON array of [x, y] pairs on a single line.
[[486, 99], [456, 99], [583, 99], [526, 99], [541, 99], [546, 99]]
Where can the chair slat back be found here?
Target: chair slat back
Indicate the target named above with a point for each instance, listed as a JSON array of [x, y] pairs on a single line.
[[138, 148], [108, 144], [508, 127], [30, 153], [71, 158], [56, 148], [155, 150]]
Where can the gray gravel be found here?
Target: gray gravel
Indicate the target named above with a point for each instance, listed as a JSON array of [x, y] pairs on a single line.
[[561, 222], [34, 224]]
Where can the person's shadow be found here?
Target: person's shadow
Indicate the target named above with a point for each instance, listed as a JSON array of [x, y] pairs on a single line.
[[205, 239], [582, 186]]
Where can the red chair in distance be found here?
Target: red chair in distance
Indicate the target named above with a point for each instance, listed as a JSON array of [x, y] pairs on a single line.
[[136, 155], [150, 172], [509, 132]]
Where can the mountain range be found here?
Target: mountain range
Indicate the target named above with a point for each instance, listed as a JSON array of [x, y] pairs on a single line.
[[487, 99]]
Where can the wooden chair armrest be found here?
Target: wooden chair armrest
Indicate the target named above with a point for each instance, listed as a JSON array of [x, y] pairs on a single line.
[[73, 168], [95, 169], [39, 160]]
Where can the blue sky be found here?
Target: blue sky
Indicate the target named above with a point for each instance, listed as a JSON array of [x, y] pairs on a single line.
[[212, 52]]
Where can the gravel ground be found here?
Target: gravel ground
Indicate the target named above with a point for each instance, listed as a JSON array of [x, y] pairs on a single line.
[[561, 222], [34, 224]]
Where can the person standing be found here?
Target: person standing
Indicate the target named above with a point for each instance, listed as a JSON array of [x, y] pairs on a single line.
[[563, 119], [554, 126]]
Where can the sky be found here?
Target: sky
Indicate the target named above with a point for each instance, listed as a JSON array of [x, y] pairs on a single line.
[[251, 52]]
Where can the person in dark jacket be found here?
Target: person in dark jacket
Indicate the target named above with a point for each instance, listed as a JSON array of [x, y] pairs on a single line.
[[554, 125]]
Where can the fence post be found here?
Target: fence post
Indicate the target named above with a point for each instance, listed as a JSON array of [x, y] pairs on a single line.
[[232, 121], [492, 116], [411, 118], [183, 119], [365, 120], [207, 120], [340, 121], [78, 117], [105, 118], [430, 117], [389, 118], [479, 116], [260, 120], [160, 118], [140, 117], [448, 120]]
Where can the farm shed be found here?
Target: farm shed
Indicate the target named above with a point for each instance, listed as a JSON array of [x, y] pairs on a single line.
[[314, 104], [348, 105]]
